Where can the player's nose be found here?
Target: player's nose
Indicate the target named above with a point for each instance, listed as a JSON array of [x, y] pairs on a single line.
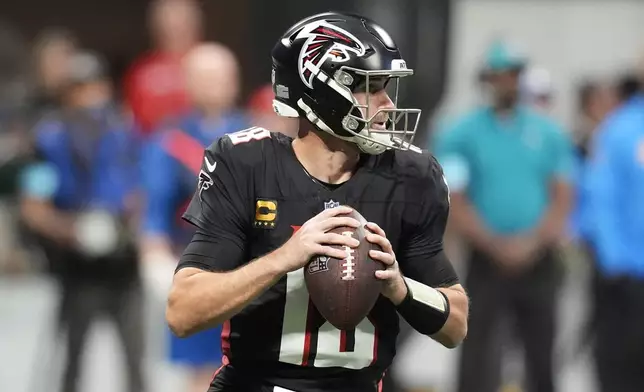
[[384, 100]]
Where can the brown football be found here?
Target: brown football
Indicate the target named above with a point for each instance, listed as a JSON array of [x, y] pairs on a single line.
[[344, 291]]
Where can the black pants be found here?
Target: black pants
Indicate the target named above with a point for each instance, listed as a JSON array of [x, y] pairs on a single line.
[[122, 303], [530, 301], [619, 334]]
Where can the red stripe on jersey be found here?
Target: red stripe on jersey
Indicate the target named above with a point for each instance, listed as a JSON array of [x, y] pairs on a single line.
[[380, 385], [185, 149], [343, 341], [310, 328], [225, 341]]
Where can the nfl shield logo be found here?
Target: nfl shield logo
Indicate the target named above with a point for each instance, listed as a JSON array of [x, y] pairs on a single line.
[[331, 204], [319, 264]]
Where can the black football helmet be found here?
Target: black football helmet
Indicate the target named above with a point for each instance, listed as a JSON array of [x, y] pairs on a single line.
[[320, 63]]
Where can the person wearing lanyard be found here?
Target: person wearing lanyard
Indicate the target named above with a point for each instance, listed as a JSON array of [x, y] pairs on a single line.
[[508, 170], [171, 164]]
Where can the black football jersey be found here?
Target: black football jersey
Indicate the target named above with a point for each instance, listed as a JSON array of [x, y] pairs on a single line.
[[253, 194]]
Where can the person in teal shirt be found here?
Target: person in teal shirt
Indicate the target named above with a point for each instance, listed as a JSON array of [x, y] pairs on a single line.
[[508, 168]]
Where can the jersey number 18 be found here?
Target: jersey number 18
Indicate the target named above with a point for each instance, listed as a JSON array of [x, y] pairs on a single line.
[[309, 340]]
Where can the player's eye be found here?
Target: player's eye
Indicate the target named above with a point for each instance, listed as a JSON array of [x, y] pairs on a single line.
[[376, 84]]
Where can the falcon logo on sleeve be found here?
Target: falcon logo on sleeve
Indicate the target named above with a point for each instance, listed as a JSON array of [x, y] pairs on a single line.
[[325, 42], [205, 182]]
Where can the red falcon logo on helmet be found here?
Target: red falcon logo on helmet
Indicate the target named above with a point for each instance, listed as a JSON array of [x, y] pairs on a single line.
[[325, 42]]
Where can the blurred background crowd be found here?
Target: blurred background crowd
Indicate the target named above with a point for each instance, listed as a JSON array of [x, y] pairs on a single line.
[[535, 109]]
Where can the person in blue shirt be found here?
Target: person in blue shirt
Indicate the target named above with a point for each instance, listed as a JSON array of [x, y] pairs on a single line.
[[616, 213], [596, 101], [508, 169], [77, 199], [171, 165]]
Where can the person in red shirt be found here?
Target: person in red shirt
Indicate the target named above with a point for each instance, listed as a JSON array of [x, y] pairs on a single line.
[[154, 85]]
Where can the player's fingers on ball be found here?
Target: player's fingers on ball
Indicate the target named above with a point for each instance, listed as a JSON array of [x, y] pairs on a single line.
[[339, 239], [339, 221], [340, 210], [383, 257], [374, 238], [332, 252], [384, 274], [375, 228], [379, 240]]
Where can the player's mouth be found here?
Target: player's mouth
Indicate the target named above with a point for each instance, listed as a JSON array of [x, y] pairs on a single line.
[[379, 125]]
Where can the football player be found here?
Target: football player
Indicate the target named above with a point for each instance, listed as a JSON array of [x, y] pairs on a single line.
[[266, 203]]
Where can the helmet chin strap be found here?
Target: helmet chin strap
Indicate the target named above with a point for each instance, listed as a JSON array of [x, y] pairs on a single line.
[[367, 146], [371, 147]]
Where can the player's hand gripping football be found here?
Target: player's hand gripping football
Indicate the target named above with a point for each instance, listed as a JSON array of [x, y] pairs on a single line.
[[394, 288], [314, 238]]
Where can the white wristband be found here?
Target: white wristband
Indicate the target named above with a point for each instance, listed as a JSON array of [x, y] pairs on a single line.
[[426, 295]]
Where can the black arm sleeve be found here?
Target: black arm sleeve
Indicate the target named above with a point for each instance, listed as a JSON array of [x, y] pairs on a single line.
[[220, 210], [421, 256], [422, 259], [210, 253]]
